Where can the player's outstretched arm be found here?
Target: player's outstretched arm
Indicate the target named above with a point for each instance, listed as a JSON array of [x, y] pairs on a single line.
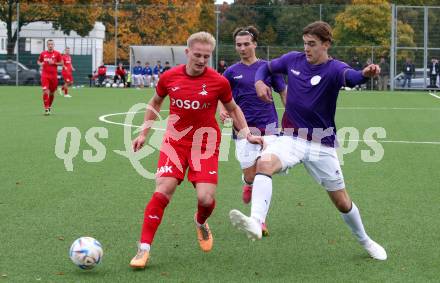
[[264, 92], [240, 123], [151, 111], [353, 77], [371, 70], [283, 96]]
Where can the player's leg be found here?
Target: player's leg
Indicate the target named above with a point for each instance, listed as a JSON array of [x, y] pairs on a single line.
[[141, 81], [247, 154], [352, 217], [167, 179], [45, 96], [278, 156], [165, 188], [67, 83], [205, 207], [323, 165], [155, 80], [203, 173], [53, 85], [248, 180]]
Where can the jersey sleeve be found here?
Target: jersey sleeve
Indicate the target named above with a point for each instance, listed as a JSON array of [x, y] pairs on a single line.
[[278, 83], [341, 69], [228, 75], [279, 65], [226, 92], [161, 88], [59, 58], [40, 58]]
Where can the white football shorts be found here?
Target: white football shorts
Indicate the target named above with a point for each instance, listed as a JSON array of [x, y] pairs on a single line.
[[320, 161], [247, 153]]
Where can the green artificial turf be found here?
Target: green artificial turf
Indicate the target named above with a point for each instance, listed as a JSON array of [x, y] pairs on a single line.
[[44, 207]]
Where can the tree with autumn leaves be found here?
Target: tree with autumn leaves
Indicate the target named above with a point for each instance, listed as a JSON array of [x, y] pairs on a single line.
[[170, 22], [140, 22], [155, 23]]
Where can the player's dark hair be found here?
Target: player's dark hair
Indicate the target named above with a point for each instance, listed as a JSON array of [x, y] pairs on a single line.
[[320, 29], [249, 30]]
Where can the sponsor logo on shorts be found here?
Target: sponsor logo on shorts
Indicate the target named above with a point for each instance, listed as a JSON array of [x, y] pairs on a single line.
[[165, 169]]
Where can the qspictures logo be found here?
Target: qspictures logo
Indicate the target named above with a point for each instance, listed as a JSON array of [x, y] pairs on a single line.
[[69, 139]]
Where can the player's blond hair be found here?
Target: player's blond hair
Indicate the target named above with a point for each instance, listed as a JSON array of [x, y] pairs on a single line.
[[202, 37]]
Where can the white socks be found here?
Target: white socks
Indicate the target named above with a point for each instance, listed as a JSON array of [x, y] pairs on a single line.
[[261, 196], [354, 221], [144, 247]]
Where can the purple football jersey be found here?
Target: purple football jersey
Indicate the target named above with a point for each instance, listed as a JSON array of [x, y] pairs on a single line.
[[312, 94], [258, 114]]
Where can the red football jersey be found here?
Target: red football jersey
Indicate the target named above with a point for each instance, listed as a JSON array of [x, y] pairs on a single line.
[[49, 60], [67, 63], [193, 103]]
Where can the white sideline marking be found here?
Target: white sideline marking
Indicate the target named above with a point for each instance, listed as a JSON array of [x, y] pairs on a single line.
[[434, 95], [103, 118], [383, 108]]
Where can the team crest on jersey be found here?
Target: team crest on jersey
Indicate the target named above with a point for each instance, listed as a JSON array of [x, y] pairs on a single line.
[[315, 80], [203, 92]]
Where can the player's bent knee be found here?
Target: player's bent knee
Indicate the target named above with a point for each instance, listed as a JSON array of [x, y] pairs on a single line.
[[166, 186], [205, 200], [249, 175], [268, 164], [341, 200]]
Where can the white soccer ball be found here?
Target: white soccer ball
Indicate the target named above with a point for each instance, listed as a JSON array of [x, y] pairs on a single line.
[[121, 85], [108, 85], [114, 85], [86, 252]]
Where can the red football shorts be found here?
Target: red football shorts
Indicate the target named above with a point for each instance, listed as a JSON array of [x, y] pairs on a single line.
[[175, 158], [50, 83], [67, 77]]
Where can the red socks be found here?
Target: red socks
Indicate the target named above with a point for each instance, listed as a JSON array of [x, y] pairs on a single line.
[[51, 97], [203, 212], [153, 216], [46, 100], [65, 90]]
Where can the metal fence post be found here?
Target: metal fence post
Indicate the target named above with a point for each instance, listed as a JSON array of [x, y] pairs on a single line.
[[425, 43], [393, 46], [217, 14], [17, 56], [116, 32]]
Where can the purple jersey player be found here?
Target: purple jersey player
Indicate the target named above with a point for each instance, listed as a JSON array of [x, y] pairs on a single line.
[[261, 116], [314, 80]]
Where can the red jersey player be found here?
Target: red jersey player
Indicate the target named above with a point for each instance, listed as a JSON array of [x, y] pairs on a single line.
[[67, 72], [191, 140], [49, 60]]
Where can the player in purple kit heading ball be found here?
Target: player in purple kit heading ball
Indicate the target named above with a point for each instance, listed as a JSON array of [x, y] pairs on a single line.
[[261, 117], [314, 80]]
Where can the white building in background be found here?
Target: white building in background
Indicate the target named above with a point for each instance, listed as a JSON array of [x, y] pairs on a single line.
[[36, 34]]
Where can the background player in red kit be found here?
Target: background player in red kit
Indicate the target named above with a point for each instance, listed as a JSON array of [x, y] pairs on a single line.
[[49, 60], [194, 91], [67, 72]]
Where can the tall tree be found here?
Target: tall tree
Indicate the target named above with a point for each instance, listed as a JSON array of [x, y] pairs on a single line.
[[367, 23], [155, 22]]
